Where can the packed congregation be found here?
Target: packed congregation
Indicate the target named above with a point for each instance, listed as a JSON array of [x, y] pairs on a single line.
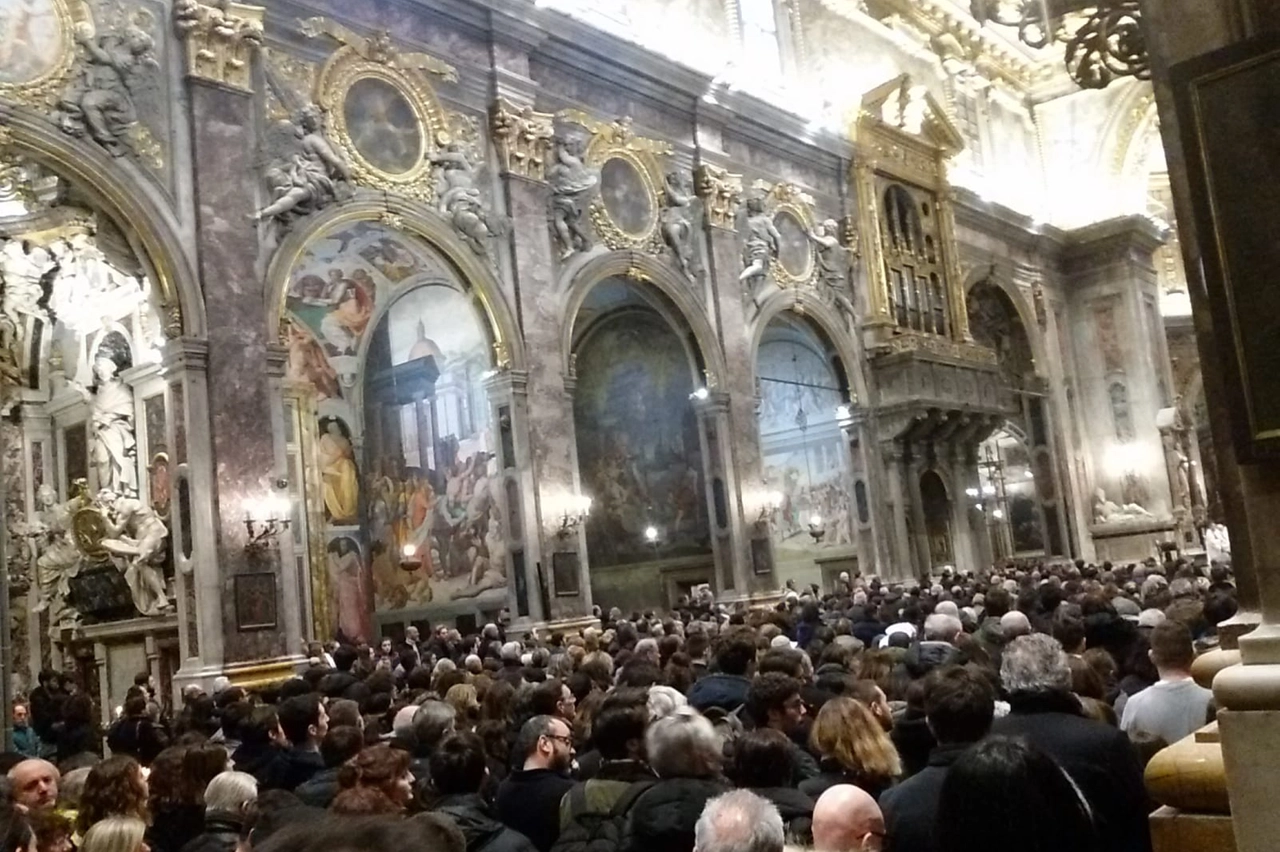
[[1010, 710]]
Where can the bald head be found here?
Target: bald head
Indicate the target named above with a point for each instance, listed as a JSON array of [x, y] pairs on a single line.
[[35, 784], [1014, 624], [847, 819]]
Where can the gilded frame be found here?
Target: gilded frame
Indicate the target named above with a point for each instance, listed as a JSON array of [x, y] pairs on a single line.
[[44, 89], [615, 140], [1226, 162], [344, 69], [789, 199]]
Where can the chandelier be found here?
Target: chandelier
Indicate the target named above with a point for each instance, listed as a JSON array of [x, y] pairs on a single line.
[[1103, 39]]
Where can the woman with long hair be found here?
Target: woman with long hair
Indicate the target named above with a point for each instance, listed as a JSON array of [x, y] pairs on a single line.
[[179, 777], [462, 698], [115, 787], [16, 834], [852, 748], [376, 781], [1005, 794], [116, 834], [498, 700]]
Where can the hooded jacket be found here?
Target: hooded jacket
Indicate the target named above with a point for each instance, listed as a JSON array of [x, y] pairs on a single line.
[[482, 831], [726, 691]]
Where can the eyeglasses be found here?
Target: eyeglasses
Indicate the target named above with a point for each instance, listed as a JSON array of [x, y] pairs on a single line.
[[564, 739]]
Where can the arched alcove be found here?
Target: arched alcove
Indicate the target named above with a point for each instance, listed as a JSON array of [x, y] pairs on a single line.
[[936, 503], [389, 431], [640, 450], [1008, 495], [804, 394], [995, 322]]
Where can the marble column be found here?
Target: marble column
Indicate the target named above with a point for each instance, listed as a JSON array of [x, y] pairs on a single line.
[[742, 435], [1110, 272], [554, 474], [902, 565], [733, 576], [242, 411], [1248, 694]]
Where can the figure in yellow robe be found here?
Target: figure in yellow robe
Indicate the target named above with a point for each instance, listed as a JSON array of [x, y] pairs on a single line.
[[338, 473]]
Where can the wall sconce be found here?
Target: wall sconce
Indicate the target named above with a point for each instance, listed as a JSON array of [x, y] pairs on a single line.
[[265, 518], [817, 528], [844, 413], [700, 394], [410, 559], [576, 509], [771, 502]]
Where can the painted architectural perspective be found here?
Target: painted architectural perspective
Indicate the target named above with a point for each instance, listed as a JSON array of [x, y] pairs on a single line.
[[326, 319]]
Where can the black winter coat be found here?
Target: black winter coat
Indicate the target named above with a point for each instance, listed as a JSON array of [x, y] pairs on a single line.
[[139, 737], [832, 773], [291, 768], [796, 810], [221, 834], [911, 808], [664, 816], [1098, 757], [529, 801], [174, 827], [481, 829], [320, 790]]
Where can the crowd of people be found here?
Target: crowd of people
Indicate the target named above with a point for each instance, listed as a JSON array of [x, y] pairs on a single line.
[[1013, 709]]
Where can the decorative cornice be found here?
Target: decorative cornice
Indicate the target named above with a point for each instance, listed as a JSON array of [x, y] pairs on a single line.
[[221, 40]]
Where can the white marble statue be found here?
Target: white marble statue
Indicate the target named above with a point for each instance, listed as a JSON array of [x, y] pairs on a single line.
[[572, 181], [114, 447], [1107, 512], [761, 241], [87, 286], [460, 201], [22, 269], [57, 557], [136, 537]]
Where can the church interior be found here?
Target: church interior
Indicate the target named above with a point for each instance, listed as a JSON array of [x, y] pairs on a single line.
[[329, 319]]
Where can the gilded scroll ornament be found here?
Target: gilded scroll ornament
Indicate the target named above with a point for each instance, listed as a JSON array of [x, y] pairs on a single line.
[[221, 37], [522, 138], [721, 192]]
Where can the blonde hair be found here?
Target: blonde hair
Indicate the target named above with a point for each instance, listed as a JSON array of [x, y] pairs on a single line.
[[115, 834], [846, 732], [463, 698]]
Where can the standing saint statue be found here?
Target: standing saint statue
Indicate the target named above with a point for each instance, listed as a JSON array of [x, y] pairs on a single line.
[[114, 448], [762, 242], [57, 557]]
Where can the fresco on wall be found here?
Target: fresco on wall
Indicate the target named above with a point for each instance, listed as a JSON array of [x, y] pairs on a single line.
[[638, 447], [396, 471], [432, 483], [800, 440], [31, 40]]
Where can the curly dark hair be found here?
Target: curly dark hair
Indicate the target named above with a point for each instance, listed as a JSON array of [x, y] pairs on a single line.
[[165, 781], [369, 782], [114, 788]]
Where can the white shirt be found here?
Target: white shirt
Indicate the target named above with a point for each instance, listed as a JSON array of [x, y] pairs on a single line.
[[1169, 709]]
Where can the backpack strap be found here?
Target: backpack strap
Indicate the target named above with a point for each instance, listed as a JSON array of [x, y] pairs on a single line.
[[629, 797]]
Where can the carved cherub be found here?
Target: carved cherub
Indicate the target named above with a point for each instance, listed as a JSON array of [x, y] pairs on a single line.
[[677, 225], [312, 178], [832, 263], [571, 180], [101, 103], [460, 201], [762, 240]]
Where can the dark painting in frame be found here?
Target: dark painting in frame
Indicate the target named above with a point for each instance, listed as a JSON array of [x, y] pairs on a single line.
[[565, 566], [1227, 106], [255, 599]]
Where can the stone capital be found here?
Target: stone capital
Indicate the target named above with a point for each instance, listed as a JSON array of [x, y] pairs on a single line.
[[522, 138], [721, 192], [221, 40]]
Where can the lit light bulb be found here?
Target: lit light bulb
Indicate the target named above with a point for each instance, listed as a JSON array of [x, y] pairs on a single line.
[[978, 506], [700, 393], [408, 550], [998, 514], [842, 412], [651, 534], [1030, 475], [988, 490], [971, 492], [815, 521]]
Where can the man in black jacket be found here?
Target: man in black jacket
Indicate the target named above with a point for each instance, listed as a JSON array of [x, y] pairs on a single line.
[[727, 688], [1099, 758], [137, 734], [458, 771], [305, 723], [774, 702], [529, 799], [958, 706], [339, 745]]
